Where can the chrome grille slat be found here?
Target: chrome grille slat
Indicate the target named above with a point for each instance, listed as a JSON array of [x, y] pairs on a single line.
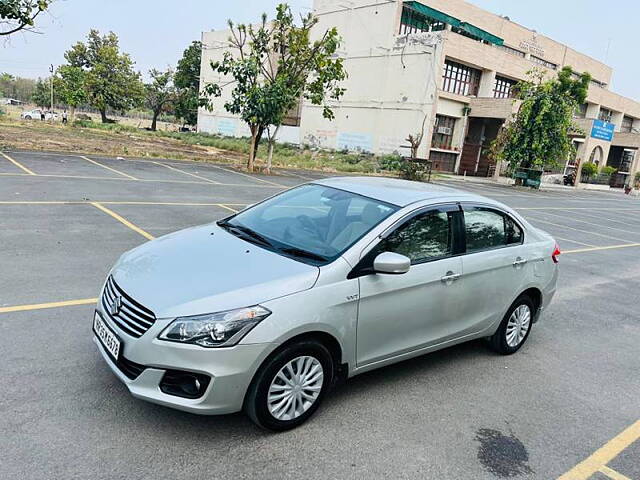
[[123, 325], [133, 318]]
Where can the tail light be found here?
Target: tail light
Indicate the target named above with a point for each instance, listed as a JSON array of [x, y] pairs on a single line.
[[556, 253]]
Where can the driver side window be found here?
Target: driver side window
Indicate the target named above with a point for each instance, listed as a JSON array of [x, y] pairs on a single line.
[[428, 236]]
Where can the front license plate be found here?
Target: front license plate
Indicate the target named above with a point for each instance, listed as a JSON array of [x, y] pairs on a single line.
[[108, 339]]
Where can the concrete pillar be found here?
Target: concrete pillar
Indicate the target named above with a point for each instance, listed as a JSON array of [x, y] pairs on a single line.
[[487, 82], [616, 119], [593, 110]]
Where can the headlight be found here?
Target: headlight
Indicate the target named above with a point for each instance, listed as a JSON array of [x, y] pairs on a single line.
[[221, 329]]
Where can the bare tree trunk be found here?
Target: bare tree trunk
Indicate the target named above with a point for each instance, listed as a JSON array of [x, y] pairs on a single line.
[[103, 116], [154, 122], [252, 148], [72, 113], [272, 141]]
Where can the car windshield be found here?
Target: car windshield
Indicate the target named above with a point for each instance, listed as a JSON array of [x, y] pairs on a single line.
[[312, 223]]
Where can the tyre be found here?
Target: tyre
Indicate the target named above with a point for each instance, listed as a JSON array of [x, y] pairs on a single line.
[[515, 327], [27, 117], [289, 387]]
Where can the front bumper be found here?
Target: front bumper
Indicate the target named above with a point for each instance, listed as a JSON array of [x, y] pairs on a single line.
[[231, 370]]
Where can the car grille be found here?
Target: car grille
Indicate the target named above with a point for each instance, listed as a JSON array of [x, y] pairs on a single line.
[[131, 317]]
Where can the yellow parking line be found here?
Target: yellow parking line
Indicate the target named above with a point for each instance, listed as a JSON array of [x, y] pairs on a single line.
[[192, 182], [228, 208], [17, 164], [249, 176], [40, 306], [604, 455], [535, 219], [108, 168], [595, 249], [187, 173], [124, 221], [612, 474]]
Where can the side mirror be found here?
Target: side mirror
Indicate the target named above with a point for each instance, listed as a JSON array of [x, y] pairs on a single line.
[[391, 263]]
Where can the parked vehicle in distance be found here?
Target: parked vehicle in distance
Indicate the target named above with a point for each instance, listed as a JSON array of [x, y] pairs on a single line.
[[265, 309], [36, 114]]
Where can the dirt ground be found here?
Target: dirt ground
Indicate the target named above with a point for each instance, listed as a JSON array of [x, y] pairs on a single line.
[[46, 136]]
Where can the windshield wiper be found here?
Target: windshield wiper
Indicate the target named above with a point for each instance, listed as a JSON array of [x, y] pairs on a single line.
[[297, 252], [246, 232]]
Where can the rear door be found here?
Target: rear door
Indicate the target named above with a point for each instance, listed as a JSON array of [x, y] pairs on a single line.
[[495, 265], [401, 313]]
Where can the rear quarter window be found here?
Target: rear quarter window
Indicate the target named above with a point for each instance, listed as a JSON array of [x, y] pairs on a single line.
[[486, 229]]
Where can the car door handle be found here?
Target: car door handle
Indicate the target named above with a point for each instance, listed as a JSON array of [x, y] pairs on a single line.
[[519, 261], [450, 277]]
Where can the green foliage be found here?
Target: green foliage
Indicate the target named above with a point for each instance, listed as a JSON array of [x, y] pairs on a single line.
[[20, 14], [42, 93], [391, 162], [70, 85], [538, 135], [160, 93], [110, 80], [16, 87], [411, 170], [187, 82], [589, 169], [272, 66], [608, 170]]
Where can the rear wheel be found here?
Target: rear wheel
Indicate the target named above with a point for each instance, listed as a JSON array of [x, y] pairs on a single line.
[[515, 327], [27, 117], [290, 386]]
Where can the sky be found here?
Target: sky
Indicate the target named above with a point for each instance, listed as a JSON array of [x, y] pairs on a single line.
[[155, 32]]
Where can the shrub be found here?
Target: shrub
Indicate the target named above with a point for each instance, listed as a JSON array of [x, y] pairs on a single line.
[[608, 170], [589, 169], [392, 163], [411, 170]]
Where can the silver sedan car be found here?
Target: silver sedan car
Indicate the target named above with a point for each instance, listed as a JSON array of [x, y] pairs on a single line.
[[264, 310]]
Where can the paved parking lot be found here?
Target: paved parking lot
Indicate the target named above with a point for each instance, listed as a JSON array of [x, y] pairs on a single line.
[[566, 404]]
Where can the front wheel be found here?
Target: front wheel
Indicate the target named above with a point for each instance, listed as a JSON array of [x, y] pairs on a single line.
[[515, 327], [290, 386]]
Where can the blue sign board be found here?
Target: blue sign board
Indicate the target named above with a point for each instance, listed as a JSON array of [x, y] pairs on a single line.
[[602, 130]]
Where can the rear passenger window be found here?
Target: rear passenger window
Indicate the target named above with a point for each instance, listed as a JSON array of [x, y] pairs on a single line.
[[484, 229], [487, 229], [513, 230]]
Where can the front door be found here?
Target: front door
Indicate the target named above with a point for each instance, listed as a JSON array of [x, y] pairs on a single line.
[[401, 313]]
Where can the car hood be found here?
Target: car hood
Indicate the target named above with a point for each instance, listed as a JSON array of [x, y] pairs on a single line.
[[206, 269]]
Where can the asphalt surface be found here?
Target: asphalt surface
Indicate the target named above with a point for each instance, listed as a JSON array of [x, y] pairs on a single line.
[[462, 413]]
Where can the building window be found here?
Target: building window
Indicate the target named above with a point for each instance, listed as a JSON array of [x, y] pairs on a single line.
[[503, 87], [460, 79], [443, 132], [543, 62], [627, 124], [512, 51], [581, 111], [443, 161], [415, 22], [605, 114]]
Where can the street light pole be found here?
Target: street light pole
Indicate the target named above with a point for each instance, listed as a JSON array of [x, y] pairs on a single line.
[[51, 70]]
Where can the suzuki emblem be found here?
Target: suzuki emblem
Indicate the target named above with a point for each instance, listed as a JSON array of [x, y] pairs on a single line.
[[116, 305]]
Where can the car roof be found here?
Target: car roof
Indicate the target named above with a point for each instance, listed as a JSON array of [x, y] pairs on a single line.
[[398, 192]]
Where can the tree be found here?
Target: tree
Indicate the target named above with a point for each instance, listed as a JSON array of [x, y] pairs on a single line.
[[160, 93], [71, 87], [16, 15], [42, 93], [538, 134], [17, 87], [110, 80], [276, 65], [187, 83]]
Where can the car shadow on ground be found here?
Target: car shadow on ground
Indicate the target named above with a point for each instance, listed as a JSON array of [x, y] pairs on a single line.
[[184, 426]]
